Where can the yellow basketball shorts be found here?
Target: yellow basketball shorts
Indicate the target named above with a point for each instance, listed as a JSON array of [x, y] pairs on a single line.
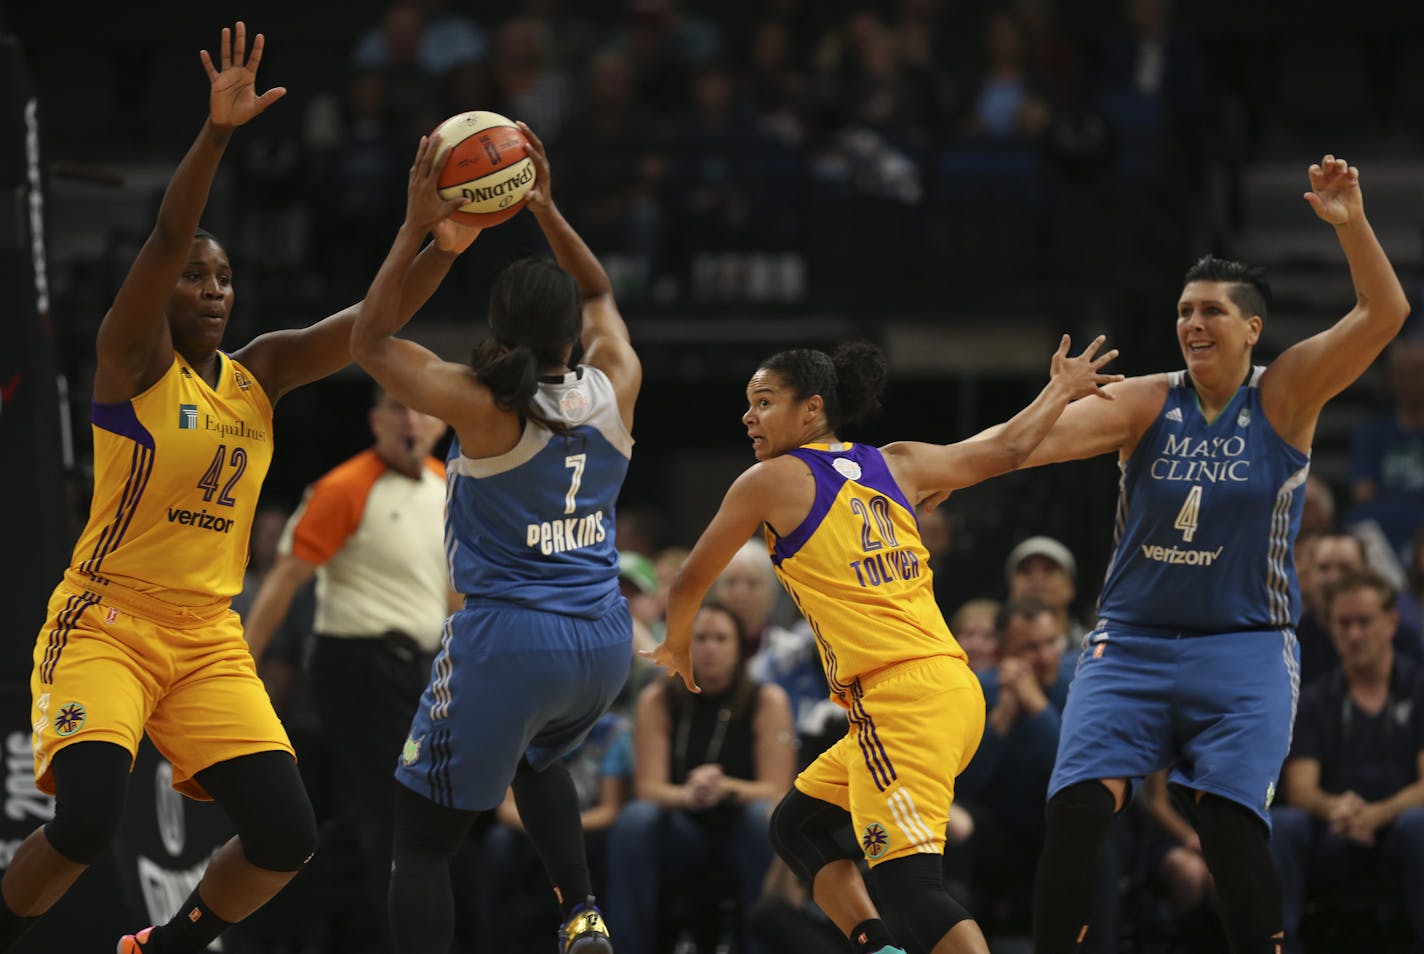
[[914, 726], [110, 666]]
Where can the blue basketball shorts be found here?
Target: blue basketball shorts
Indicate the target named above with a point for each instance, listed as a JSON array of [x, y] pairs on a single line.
[[510, 682], [1218, 710]]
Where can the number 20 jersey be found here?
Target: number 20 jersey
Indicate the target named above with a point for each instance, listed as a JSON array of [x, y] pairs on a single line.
[[177, 471], [857, 569], [1206, 521]]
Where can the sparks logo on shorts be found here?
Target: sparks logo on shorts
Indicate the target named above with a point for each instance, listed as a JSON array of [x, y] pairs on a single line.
[[875, 840], [187, 417], [71, 716], [410, 751]]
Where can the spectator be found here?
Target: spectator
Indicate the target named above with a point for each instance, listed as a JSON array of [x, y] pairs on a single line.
[[423, 32], [1044, 570], [1004, 787], [1170, 849], [371, 531], [1332, 556], [511, 872], [974, 625], [532, 86], [1387, 453], [1007, 104], [708, 768], [1319, 513], [1354, 781]]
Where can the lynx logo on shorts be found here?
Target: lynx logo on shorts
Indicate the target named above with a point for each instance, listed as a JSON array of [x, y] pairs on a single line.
[[187, 417], [1270, 793], [875, 840], [410, 752], [70, 718]]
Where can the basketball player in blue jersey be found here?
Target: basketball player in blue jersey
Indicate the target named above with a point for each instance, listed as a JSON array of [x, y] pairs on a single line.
[[140, 637], [1193, 663], [544, 641], [840, 525]]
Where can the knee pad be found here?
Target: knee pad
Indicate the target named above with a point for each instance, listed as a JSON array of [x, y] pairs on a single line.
[[1235, 844], [90, 783], [912, 891], [263, 795], [803, 832]]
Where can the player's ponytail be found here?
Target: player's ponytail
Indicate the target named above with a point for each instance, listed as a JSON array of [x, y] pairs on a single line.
[[860, 379], [850, 382], [535, 315]]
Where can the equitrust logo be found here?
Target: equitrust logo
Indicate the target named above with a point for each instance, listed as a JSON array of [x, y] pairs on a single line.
[[187, 417]]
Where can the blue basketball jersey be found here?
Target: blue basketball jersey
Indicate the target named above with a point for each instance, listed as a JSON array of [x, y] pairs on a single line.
[[1206, 521], [534, 526]]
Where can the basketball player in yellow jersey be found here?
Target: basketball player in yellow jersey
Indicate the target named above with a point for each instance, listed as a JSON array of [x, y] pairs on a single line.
[[139, 636], [840, 524]]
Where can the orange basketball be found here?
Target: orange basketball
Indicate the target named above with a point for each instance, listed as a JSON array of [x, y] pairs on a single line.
[[482, 159]]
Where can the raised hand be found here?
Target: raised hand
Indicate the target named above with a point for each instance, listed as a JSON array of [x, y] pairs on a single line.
[[1081, 375], [540, 194], [424, 208], [233, 99], [1335, 191]]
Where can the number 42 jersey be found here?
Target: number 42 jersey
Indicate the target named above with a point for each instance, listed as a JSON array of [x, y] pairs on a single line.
[[1207, 519], [177, 471]]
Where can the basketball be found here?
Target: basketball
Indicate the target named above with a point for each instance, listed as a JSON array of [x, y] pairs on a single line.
[[482, 159]]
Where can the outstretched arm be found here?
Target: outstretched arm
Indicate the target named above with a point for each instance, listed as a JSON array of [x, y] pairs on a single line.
[[926, 470], [1311, 372], [606, 345], [743, 510], [287, 359], [134, 345], [410, 373]]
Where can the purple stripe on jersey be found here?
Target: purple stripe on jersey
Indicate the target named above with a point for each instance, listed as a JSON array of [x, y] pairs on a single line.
[[119, 418], [870, 748], [140, 469], [59, 636], [826, 491], [875, 474], [859, 705]]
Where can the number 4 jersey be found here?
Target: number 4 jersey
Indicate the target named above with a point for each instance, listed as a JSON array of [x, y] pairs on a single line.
[[177, 470], [857, 569], [1206, 521], [534, 526]]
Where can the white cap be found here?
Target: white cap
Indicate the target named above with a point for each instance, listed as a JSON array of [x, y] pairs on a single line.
[[1044, 547]]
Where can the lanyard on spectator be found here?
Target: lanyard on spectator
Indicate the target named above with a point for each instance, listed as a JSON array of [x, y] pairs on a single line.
[[714, 744]]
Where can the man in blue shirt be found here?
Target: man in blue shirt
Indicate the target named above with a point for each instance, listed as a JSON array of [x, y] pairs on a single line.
[[1354, 781]]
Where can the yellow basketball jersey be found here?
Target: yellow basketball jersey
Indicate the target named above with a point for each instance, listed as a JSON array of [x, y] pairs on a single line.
[[857, 569], [177, 471]]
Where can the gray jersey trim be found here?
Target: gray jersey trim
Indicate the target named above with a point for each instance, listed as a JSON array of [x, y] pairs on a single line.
[[583, 397]]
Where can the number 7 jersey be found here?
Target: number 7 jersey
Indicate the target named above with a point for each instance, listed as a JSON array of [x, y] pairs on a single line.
[[177, 471], [857, 569], [1206, 521]]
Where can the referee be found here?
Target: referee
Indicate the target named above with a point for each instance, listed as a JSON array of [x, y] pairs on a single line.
[[371, 532]]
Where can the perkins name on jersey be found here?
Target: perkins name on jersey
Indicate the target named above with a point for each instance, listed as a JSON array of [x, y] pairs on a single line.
[[572, 533]]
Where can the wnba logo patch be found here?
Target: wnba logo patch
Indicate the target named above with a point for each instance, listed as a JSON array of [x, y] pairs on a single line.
[[187, 417], [70, 718], [874, 840]]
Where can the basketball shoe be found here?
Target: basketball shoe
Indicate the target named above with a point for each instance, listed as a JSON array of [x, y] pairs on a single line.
[[584, 932], [135, 943]]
